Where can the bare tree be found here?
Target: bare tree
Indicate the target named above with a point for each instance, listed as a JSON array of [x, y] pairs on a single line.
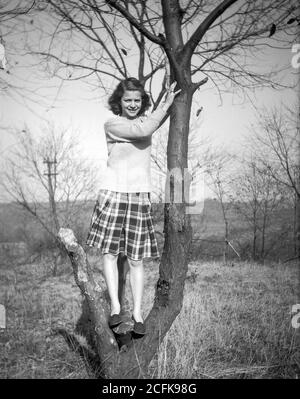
[[9, 11], [276, 140], [193, 42], [219, 177], [256, 197], [48, 178]]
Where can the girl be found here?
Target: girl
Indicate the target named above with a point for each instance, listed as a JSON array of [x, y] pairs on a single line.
[[122, 220]]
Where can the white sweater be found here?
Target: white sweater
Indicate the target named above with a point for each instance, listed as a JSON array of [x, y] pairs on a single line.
[[129, 152]]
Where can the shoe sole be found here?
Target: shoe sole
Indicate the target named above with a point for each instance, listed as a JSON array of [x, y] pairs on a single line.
[[114, 325], [139, 333]]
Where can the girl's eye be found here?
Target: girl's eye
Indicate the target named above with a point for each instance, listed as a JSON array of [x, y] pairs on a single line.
[[127, 101]]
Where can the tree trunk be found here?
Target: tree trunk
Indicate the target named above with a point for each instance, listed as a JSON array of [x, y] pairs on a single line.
[[226, 249], [263, 232], [254, 242], [226, 240]]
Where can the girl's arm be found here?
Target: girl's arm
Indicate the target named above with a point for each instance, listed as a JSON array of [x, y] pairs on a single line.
[[135, 129]]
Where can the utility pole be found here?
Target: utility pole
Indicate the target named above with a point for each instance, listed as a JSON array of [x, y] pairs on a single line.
[[51, 175]]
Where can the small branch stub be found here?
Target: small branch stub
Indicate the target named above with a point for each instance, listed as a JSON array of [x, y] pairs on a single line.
[[68, 239]]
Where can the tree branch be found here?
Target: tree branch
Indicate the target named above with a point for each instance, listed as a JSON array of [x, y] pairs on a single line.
[[192, 43], [106, 344], [197, 85], [139, 26]]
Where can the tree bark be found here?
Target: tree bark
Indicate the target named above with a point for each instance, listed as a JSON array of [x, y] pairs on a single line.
[[105, 345], [254, 243]]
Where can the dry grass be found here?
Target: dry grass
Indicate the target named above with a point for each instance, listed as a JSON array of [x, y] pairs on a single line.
[[34, 305], [235, 323]]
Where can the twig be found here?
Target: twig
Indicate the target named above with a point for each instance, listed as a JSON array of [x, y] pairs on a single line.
[[289, 259], [231, 246], [137, 359], [249, 370]]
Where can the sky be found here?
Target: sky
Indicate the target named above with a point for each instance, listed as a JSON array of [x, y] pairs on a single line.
[[225, 121]]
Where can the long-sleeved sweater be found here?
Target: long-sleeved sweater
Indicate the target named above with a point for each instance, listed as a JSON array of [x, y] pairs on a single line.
[[129, 152]]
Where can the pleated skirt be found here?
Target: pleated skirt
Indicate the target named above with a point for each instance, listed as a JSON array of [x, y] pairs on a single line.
[[122, 223]]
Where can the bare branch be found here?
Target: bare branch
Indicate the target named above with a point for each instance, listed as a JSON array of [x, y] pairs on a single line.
[[194, 40], [153, 38]]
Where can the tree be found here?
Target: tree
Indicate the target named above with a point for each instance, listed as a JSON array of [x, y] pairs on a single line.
[[276, 141], [256, 197], [193, 42], [10, 12], [48, 178], [219, 175]]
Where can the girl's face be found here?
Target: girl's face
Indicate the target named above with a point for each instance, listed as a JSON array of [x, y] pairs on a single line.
[[131, 103]]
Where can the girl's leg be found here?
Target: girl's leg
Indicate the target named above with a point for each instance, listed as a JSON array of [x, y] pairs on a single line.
[[136, 270], [110, 270]]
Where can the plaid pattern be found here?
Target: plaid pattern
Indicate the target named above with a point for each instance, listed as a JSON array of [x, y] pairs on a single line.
[[122, 222]]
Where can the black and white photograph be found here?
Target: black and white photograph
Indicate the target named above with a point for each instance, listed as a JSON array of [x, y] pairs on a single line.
[[149, 192]]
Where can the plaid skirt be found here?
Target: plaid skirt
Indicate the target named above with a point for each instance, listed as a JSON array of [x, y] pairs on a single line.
[[122, 222]]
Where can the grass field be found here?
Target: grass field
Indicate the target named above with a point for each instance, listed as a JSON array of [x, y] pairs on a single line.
[[235, 323]]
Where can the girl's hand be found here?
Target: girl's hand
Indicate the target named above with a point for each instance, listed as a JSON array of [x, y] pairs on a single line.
[[170, 95]]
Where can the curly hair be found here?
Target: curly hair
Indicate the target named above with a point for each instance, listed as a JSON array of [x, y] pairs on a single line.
[[132, 84]]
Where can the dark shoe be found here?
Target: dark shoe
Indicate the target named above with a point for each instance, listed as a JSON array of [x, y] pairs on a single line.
[[114, 320], [138, 328]]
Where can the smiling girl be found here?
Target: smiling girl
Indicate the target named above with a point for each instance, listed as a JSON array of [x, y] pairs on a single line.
[[122, 220]]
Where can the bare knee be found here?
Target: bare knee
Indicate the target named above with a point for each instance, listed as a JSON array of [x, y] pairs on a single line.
[[135, 263], [110, 257]]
